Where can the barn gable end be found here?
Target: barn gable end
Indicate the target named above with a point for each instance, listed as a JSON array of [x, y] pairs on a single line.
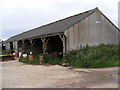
[[95, 29]]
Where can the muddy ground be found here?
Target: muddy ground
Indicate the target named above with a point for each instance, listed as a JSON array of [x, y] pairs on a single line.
[[18, 75]]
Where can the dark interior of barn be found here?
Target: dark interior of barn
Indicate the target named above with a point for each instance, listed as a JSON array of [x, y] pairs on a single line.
[[54, 46]]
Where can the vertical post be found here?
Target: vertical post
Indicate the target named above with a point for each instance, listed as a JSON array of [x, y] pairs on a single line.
[[23, 45], [44, 50], [31, 45], [63, 38], [44, 41], [64, 45]]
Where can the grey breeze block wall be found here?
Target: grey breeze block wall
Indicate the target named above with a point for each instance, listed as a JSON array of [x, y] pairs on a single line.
[[93, 30]]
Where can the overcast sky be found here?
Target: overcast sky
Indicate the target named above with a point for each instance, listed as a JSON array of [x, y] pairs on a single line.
[[17, 16]]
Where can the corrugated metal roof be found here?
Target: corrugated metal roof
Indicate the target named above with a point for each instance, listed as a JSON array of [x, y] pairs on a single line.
[[52, 28]]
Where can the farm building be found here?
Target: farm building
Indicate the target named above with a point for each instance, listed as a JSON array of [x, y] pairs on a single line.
[[88, 28]]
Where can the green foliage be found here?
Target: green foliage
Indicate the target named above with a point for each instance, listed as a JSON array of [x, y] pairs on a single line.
[[26, 60], [94, 57], [4, 53], [52, 60], [48, 59], [88, 57]]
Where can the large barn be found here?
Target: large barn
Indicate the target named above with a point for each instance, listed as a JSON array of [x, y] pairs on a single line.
[[88, 28]]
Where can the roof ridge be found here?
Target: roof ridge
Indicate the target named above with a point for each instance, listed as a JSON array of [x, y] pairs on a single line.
[[57, 21], [52, 23], [65, 18]]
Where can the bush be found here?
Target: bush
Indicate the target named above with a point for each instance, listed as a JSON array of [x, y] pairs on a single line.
[[4, 53], [94, 57], [26, 60], [88, 57], [52, 60], [48, 59]]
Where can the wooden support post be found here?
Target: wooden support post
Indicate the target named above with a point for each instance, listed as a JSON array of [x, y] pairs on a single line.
[[23, 46], [63, 38], [31, 45], [64, 45], [44, 41]]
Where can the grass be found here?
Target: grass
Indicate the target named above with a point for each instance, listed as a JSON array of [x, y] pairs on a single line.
[[88, 57]]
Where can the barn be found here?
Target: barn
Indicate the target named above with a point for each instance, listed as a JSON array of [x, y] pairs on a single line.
[[91, 28]]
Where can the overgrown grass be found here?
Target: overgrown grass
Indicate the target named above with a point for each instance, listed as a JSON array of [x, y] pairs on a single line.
[[94, 57], [88, 57]]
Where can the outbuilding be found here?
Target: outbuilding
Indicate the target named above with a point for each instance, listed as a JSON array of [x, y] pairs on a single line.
[[88, 28]]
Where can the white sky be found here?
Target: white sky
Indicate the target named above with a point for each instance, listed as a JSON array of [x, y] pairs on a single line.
[[22, 15]]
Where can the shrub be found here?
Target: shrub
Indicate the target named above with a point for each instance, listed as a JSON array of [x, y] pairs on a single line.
[[52, 60], [26, 60], [48, 59], [88, 57], [94, 57]]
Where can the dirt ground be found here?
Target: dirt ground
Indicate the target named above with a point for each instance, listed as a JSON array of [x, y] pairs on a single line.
[[18, 75]]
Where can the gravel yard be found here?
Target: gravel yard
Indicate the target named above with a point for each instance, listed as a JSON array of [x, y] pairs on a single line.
[[19, 75]]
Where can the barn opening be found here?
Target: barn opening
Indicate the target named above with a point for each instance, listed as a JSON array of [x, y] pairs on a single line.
[[11, 45], [27, 46], [37, 46], [3, 46], [20, 46], [54, 45]]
